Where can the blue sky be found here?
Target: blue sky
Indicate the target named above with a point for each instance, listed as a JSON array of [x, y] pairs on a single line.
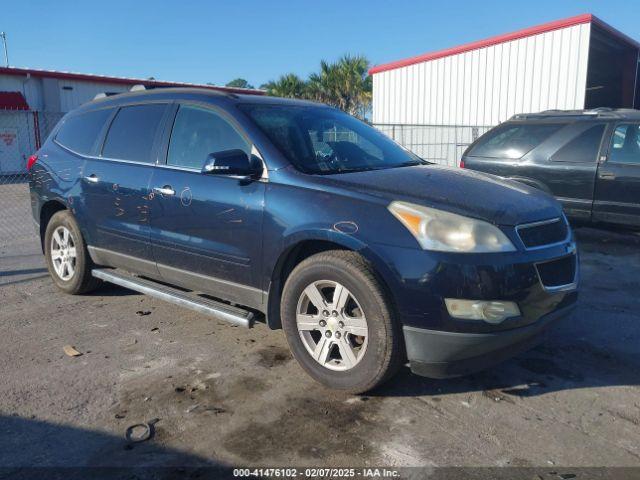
[[216, 41]]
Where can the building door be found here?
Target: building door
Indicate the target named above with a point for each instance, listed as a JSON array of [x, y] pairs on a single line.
[[10, 159]]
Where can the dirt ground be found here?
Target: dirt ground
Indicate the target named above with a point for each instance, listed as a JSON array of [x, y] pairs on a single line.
[[225, 395]]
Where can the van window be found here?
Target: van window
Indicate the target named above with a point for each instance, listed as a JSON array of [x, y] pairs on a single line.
[[79, 132], [513, 140], [625, 144], [582, 149], [132, 133], [197, 132]]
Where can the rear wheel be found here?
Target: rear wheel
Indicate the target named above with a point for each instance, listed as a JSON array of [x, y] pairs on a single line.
[[67, 257], [338, 322]]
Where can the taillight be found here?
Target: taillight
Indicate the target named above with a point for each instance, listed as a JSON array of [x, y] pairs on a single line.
[[461, 163], [31, 161]]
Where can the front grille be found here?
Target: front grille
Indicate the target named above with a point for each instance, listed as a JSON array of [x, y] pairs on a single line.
[[540, 234], [557, 273]]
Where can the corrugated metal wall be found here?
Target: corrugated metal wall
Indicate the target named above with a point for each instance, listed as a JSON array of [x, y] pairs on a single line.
[[488, 85], [74, 93], [56, 95], [30, 88]]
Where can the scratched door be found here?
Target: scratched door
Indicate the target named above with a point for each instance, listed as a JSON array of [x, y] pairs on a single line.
[[116, 186], [206, 230]]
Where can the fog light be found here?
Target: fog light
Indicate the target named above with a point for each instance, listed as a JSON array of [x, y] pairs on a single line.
[[488, 310]]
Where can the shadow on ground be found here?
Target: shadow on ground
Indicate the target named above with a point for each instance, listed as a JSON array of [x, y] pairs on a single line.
[[37, 449], [22, 271]]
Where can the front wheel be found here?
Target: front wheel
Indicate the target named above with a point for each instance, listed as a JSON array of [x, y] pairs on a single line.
[[338, 322]]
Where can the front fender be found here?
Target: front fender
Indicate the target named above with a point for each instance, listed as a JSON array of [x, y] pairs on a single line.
[[330, 237], [322, 234], [344, 240]]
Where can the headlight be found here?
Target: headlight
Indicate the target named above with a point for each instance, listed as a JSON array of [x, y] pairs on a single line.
[[448, 232]]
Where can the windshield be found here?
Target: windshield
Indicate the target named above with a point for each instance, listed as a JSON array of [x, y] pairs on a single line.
[[322, 140]]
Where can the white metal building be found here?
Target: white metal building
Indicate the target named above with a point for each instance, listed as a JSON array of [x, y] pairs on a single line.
[[32, 101], [575, 63]]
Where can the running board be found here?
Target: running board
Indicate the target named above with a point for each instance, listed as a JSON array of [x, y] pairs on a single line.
[[222, 311]]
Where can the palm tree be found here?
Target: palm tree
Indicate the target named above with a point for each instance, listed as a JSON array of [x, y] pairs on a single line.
[[288, 86], [344, 84], [239, 83]]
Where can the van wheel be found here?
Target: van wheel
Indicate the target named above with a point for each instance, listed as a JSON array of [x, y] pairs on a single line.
[[67, 257], [338, 322]]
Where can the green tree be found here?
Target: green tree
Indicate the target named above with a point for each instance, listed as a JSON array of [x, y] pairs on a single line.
[[344, 84], [288, 86], [239, 83]]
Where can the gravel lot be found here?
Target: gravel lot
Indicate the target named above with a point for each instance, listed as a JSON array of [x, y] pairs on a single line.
[[233, 396]]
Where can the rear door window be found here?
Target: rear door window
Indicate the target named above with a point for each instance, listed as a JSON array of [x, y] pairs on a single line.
[[197, 132], [582, 149], [513, 140], [79, 132], [625, 144], [132, 133]]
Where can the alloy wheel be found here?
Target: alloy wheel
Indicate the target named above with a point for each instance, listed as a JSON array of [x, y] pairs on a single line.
[[332, 325], [63, 253]]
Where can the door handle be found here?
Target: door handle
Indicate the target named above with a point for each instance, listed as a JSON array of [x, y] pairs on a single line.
[[93, 178], [607, 176], [166, 190]]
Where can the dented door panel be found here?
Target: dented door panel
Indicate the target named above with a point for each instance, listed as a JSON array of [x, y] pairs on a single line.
[[210, 227], [117, 196]]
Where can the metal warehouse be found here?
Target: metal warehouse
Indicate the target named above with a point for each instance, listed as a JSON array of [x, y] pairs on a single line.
[[32, 101], [437, 103]]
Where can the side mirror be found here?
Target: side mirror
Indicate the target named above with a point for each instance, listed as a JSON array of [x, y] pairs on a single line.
[[234, 162]]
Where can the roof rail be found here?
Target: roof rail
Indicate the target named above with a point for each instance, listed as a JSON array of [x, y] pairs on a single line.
[[105, 95], [140, 87], [604, 112]]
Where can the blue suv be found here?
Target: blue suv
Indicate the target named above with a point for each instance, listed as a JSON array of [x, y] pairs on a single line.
[[254, 208]]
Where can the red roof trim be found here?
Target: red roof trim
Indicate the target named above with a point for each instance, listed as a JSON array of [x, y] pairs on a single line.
[[119, 80], [13, 101], [507, 37]]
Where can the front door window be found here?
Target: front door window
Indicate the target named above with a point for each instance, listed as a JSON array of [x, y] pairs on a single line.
[[625, 145], [197, 132]]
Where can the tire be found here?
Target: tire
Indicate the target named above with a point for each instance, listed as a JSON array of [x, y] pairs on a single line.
[[364, 324], [63, 239]]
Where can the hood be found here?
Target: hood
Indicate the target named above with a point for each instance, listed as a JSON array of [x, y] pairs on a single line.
[[465, 192]]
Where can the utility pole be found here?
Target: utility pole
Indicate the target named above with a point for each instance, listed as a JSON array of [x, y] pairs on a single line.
[[6, 54]]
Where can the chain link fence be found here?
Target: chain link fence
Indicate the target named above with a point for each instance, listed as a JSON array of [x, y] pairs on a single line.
[[21, 134], [443, 144]]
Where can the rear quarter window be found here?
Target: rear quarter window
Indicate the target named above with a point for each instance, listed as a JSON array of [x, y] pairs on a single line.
[[513, 140], [582, 149], [79, 132]]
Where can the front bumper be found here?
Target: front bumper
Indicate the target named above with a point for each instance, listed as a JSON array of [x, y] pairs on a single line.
[[420, 280], [438, 354]]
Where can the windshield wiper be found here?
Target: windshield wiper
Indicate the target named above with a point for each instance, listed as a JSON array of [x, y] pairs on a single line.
[[411, 163]]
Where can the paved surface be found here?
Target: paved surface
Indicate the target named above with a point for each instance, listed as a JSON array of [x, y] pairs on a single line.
[[227, 395]]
